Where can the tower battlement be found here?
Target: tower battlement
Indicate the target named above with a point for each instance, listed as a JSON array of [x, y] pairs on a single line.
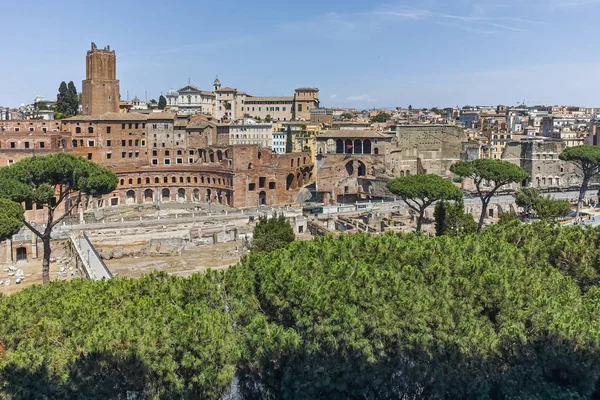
[[100, 89]]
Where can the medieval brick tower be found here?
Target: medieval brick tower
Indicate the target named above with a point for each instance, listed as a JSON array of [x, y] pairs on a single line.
[[100, 89]]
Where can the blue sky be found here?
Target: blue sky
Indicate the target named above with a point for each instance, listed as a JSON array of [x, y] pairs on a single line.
[[360, 54]]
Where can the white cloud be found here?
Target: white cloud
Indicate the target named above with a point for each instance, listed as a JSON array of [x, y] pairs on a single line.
[[333, 96], [361, 97]]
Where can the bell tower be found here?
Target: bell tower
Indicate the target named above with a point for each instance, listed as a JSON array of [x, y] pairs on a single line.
[[100, 89]]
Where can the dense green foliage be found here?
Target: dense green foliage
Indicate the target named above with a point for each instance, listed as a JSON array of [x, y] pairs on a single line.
[[488, 176], [11, 218], [67, 100], [451, 219], [587, 159], [162, 102], [381, 117], [50, 181], [512, 313], [421, 191], [271, 234], [545, 207], [160, 336]]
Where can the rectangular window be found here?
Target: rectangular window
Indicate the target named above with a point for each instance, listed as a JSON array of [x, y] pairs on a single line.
[[252, 187], [108, 143], [137, 142], [108, 156], [42, 145], [143, 143], [13, 145], [271, 185], [167, 161], [108, 129], [190, 160], [261, 182], [143, 125], [154, 161], [166, 126], [154, 153], [299, 107], [44, 130], [130, 142], [91, 143], [89, 156], [180, 161], [283, 108], [123, 143], [123, 154], [130, 154], [130, 126], [26, 145], [136, 126], [122, 126]]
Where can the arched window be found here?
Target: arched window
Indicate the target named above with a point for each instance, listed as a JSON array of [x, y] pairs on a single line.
[[90, 129], [130, 181], [139, 181], [147, 180]]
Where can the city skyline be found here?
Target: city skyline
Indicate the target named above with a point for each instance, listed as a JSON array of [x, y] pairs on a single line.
[[360, 55]]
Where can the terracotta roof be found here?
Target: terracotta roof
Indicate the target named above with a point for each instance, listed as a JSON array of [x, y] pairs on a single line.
[[226, 89], [199, 123], [347, 133], [109, 117], [161, 115], [180, 122]]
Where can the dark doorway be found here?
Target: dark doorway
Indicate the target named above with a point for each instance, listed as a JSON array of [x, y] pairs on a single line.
[[21, 254]]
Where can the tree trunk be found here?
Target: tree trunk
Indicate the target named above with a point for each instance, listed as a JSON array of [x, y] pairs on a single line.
[[46, 260], [582, 191], [484, 206], [420, 220]]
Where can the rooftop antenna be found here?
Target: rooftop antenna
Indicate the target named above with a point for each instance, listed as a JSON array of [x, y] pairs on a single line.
[[128, 95], [146, 96]]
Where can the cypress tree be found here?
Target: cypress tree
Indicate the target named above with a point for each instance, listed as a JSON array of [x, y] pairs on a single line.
[[62, 99]]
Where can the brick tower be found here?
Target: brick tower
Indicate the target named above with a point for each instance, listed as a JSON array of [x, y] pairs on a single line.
[[100, 89]]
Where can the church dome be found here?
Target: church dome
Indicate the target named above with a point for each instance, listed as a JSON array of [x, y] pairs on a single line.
[[172, 92]]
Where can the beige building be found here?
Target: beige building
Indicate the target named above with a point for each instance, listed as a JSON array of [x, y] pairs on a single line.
[[250, 132], [231, 104]]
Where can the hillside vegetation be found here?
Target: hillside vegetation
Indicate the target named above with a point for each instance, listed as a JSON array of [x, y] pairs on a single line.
[[512, 313]]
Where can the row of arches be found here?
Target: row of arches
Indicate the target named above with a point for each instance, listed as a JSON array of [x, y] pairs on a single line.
[[357, 146], [181, 195], [298, 179], [211, 156], [158, 180], [303, 159]]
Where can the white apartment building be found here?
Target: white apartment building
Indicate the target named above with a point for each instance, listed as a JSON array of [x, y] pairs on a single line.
[[278, 142]]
